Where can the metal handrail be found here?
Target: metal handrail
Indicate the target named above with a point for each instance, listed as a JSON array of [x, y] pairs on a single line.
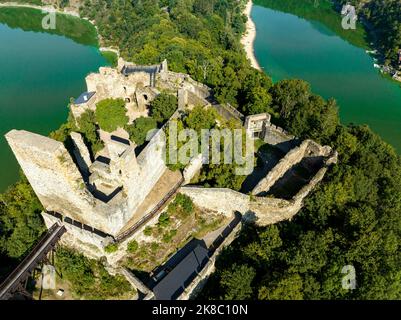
[[151, 214], [46, 242]]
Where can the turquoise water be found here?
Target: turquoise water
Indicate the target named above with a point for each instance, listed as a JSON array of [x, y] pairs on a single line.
[[39, 72], [288, 46]]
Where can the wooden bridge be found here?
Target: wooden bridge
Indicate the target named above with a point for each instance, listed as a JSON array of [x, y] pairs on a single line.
[[15, 282]]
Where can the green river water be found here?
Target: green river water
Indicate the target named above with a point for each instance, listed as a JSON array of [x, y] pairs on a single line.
[[39, 72], [304, 39]]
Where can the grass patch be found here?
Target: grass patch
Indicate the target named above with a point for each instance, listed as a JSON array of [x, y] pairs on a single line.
[[111, 58], [88, 278]]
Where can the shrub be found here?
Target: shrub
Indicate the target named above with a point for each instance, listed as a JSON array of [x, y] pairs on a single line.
[[110, 248], [132, 246], [181, 204], [139, 130], [87, 127], [111, 114], [148, 231], [163, 107], [154, 246], [164, 220], [168, 237], [185, 203], [88, 278]]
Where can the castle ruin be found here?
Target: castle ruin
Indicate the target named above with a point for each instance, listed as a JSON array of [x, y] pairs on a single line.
[[108, 197]]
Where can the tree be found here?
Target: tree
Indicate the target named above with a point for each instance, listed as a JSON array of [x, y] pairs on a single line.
[[163, 107], [86, 125], [20, 221], [201, 118], [302, 113], [139, 130], [237, 282], [132, 246], [111, 114], [255, 95]]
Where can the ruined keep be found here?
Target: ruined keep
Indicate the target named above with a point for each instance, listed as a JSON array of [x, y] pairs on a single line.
[[97, 198]]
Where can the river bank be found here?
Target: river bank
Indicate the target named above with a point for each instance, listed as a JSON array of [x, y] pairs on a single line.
[[49, 9], [248, 39]]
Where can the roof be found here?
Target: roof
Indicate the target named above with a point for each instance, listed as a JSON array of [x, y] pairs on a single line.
[[84, 97], [133, 69], [174, 283]]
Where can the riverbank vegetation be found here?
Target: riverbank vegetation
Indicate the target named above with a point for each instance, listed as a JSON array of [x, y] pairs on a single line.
[[28, 19], [384, 18], [352, 218]]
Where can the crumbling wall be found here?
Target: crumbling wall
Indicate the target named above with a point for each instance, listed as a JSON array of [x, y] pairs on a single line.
[[308, 148], [59, 185], [81, 152], [224, 201], [265, 210], [291, 158], [278, 137], [193, 168]]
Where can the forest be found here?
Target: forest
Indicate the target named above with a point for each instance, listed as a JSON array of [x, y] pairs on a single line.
[[352, 218]]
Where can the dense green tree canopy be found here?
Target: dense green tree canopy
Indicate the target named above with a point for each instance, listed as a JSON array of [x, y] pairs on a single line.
[[111, 114], [163, 107], [139, 130], [303, 113]]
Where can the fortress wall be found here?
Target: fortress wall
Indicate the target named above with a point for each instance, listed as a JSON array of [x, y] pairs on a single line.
[[82, 240], [291, 158], [225, 201], [261, 210], [52, 173], [306, 190], [266, 211], [308, 148], [58, 183], [81, 152], [152, 166], [278, 137], [193, 168]]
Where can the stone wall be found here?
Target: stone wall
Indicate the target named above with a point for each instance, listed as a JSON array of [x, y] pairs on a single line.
[[308, 148], [278, 137], [82, 240], [59, 185], [224, 201], [152, 166], [81, 152], [193, 168], [291, 158], [265, 210]]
